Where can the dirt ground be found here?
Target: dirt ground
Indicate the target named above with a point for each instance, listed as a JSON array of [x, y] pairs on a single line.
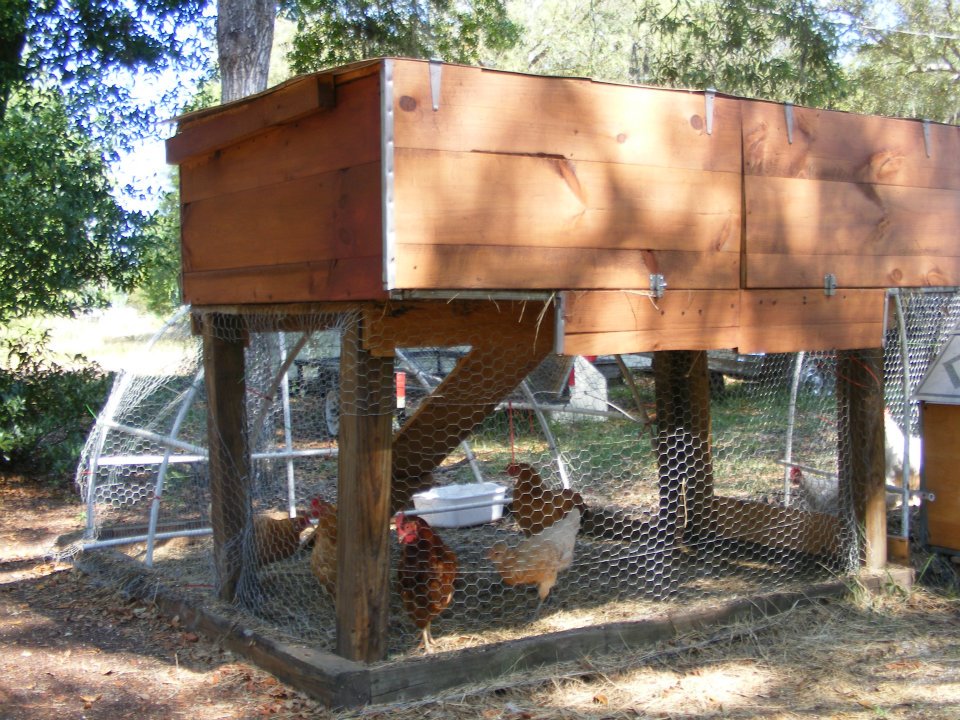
[[70, 648]]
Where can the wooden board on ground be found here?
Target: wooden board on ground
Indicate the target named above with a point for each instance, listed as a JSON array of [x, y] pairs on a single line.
[[776, 527], [342, 683]]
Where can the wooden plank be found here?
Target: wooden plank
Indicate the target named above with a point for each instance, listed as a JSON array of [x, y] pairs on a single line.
[[611, 311], [316, 144], [776, 527], [941, 458], [862, 463], [461, 198], [805, 216], [898, 550], [495, 267], [867, 235], [321, 217], [793, 320], [229, 452], [445, 323], [322, 675], [285, 317], [609, 343], [341, 683], [577, 119], [344, 279], [287, 103], [493, 368], [829, 145], [852, 271], [363, 500], [793, 338], [424, 676]]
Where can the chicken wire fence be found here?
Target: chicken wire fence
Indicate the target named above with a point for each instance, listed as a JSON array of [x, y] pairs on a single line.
[[566, 499]]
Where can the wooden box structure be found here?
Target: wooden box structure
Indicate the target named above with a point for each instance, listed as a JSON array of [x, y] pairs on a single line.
[[402, 178], [939, 396], [437, 198]]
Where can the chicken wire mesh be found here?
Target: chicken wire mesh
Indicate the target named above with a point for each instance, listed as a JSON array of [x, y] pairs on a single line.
[[685, 488], [921, 321]]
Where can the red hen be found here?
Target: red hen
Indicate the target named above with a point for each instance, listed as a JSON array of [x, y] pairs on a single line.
[[425, 576]]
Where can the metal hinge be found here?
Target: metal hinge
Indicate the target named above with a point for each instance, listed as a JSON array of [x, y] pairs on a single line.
[[658, 284], [829, 284]]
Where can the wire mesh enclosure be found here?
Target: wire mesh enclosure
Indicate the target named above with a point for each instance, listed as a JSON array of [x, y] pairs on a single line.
[[537, 510]]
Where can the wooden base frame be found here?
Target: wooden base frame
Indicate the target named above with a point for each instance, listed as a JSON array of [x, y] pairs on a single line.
[[337, 682]]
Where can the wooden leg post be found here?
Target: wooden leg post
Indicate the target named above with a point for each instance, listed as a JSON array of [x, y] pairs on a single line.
[[862, 457], [683, 432], [363, 500], [229, 465]]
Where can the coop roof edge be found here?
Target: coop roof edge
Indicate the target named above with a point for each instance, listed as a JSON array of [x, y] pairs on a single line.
[[941, 384], [388, 218], [182, 147]]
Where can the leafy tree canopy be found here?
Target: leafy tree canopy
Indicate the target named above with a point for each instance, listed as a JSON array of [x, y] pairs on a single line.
[[67, 69], [333, 32], [63, 236], [776, 49], [907, 57], [91, 49]]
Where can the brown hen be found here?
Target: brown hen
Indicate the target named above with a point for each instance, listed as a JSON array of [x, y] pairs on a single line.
[[277, 537], [323, 557], [425, 576], [535, 506], [538, 559]]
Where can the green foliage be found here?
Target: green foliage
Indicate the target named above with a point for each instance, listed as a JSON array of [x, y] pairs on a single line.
[[90, 48], [342, 31], [159, 291], [907, 58], [46, 409], [569, 37], [64, 237], [777, 49]]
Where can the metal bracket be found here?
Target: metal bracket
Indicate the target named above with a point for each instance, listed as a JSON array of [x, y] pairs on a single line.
[[708, 97], [560, 311], [926, 137], [829, 284], [658, 284], [788, 115], [436, 69]]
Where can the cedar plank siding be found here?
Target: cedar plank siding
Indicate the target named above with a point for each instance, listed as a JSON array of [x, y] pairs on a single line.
[[522, 182], [517, 183], [853, 195], [291, 214]]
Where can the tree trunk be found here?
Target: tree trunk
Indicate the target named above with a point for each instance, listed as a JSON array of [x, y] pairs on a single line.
[[244, 39], [13, 38]]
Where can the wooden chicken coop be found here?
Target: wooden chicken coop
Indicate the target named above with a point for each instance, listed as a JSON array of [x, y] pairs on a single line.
[[551, 216]]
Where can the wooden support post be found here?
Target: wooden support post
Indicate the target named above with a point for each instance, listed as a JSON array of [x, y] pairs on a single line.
[[466, 396], [683, 443], [363, 500], [862, 457], [230, 510]]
